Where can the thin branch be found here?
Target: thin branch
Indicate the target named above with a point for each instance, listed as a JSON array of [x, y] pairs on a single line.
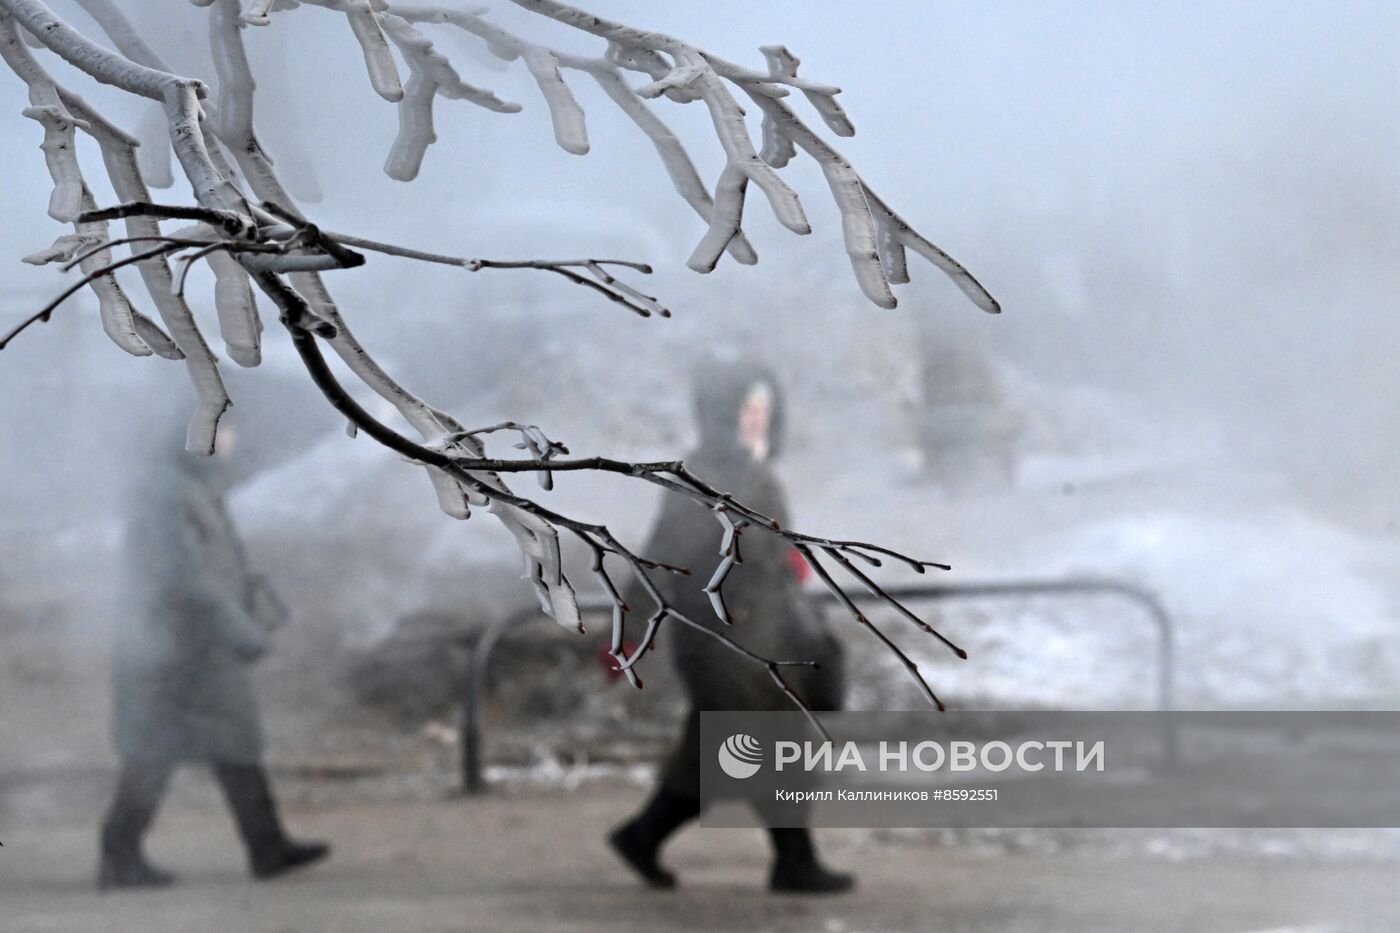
[[42, 317], [186, 262], [860, 617], [104, 245], [238, 226], [242, 228], [879, 592]]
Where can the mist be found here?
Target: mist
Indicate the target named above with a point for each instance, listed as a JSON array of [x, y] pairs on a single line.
[[1189, 213]]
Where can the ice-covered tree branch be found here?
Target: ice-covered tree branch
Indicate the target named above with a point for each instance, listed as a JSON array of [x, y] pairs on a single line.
[[256, 239]]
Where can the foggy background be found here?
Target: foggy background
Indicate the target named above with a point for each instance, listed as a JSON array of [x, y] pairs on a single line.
[[1189, 212]]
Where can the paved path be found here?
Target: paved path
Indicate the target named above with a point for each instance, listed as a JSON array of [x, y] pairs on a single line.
[[534, 861]]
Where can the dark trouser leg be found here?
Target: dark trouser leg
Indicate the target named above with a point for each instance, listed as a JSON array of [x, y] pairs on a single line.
[[140, 787], [249, 796], [139, 791], [793, 845], [675, 802]]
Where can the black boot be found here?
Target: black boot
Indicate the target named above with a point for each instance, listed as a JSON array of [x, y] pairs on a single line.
[[287, 857], [270, 852], [639, 840], [796, 869], [134, 805]]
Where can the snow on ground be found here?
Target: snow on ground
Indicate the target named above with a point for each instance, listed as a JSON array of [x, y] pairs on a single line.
[[1273, 605]]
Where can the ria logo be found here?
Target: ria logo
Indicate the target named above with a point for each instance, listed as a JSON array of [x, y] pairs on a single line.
[[740, 756]]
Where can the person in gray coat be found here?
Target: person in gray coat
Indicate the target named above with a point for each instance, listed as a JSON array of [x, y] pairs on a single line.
[[739, 413], [198, 618]]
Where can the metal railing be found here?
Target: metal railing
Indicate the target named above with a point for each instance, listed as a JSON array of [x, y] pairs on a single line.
[[475, 687]]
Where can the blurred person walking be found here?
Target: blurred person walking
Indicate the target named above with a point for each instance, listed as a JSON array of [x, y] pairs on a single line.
[[198, 618], [739, 414]]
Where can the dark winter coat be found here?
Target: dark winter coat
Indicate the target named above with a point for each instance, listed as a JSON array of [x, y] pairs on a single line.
[[182, 691], [772, 616]]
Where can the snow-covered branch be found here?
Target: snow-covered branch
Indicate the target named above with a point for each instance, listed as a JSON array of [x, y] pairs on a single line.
[[254, 236]]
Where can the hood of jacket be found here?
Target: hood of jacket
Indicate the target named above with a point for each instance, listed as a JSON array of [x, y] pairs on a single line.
[[721, 388]]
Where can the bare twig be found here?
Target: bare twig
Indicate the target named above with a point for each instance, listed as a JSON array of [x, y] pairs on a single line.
[[43, 315], [241, 228], [860, 617]]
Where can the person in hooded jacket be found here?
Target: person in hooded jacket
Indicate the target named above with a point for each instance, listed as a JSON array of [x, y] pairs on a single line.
[[198, 619], [739, 414]]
